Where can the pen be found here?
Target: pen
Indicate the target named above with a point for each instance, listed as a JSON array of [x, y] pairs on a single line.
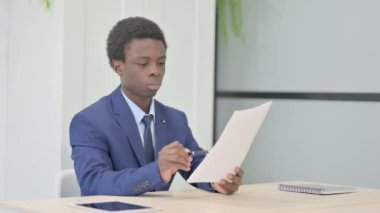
[[198, 153]]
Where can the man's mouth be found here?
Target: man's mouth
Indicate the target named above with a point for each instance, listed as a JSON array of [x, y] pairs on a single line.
[[154, 86]]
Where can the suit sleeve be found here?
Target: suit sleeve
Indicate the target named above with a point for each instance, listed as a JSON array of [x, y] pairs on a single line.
[[94, 168]]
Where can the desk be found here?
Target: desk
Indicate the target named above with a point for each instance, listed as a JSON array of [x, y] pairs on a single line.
[[250, 198]]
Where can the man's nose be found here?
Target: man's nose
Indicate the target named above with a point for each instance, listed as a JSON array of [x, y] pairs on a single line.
[[155, 70]]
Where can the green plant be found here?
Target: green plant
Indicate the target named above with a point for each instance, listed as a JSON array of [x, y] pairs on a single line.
[[46, 4], [235, 17]]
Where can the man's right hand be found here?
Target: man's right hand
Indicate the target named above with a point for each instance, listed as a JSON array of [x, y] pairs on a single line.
[[173, 157]]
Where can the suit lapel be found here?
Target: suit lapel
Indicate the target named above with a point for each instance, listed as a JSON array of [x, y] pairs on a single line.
[[160, 127], [124, 117]]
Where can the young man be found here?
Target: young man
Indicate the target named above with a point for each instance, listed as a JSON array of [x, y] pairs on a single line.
[[127, 143]]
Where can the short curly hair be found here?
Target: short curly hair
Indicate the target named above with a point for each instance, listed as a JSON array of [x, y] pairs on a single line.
[[127, 29]]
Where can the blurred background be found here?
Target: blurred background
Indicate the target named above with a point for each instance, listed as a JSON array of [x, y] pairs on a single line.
[[318, 60]]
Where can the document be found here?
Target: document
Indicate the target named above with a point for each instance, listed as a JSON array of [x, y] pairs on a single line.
[[232, 146]]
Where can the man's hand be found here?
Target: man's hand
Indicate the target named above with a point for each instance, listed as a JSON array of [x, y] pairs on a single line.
[[171, 158], [231, 183]]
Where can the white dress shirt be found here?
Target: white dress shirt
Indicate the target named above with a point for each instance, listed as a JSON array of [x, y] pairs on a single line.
[[139, 114]]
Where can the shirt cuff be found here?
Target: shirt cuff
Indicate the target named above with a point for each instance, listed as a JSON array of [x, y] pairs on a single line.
[[212, 185]]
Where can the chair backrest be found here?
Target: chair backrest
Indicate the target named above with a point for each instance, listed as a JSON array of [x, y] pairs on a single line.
[[66, 184]]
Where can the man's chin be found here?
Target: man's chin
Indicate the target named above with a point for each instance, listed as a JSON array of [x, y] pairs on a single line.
[[151, 94]]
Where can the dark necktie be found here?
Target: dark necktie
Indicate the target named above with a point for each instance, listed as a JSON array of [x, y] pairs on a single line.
[[148, 141]]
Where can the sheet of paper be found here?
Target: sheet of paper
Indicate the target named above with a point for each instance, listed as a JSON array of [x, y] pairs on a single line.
[[232, 146]]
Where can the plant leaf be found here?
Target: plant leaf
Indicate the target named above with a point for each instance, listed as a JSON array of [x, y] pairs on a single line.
[[46, 4], [220, 5]]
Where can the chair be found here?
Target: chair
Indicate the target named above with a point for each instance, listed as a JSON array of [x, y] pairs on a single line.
[[66, 184]]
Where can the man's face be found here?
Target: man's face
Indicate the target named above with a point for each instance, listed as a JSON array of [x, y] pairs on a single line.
[[143, 70]]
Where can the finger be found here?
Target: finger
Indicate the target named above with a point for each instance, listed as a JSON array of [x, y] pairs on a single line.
[[176, 158], [179, 166], [225, 187], [177, 151], [239, 172], [185, 152], [234, 179], [176, 146], [173, 144], [231, 187], [219, 188], [172, 167]]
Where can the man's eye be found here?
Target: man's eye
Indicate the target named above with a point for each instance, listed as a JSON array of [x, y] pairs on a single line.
[[142, 64], [161, 63]]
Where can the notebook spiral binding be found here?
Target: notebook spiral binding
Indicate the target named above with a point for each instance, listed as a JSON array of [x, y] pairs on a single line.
[[300, 189]]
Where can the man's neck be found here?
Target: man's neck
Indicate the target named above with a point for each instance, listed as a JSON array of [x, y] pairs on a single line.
[[142, 103]]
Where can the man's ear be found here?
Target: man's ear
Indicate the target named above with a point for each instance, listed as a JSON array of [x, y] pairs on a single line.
[[117, 66]]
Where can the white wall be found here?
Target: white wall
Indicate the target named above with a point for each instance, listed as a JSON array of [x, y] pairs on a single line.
[[33, 115], [3, 85], [189, 30]]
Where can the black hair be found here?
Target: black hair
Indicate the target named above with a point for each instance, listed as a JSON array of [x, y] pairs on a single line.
[[128, 29]]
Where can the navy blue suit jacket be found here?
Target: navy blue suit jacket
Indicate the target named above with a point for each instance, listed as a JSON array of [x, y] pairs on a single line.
[[108, 153]]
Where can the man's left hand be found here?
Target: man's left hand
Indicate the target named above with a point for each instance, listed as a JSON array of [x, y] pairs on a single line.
[[231, 183]]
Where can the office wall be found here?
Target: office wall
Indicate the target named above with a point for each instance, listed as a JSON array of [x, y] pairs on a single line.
[[325, 141], [189, 30], [3, 84], [33, 103], [309, 46], [323, 46]]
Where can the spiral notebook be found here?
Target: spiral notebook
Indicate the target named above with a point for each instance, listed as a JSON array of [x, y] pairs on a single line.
[[319, 189]]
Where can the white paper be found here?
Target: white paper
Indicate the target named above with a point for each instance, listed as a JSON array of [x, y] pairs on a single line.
[[232, 146]]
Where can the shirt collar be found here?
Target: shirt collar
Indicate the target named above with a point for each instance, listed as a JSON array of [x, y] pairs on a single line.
[[137, 112]]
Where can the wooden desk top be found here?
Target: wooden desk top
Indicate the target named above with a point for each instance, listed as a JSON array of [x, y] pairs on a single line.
[[250, 198]]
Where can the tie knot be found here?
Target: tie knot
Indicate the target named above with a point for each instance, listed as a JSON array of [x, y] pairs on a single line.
[[147, 119]]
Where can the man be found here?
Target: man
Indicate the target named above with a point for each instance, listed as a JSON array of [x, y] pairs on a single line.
[[127, 143]]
